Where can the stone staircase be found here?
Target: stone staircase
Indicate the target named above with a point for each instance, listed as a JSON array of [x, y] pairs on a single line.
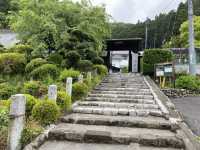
[[121, 113]]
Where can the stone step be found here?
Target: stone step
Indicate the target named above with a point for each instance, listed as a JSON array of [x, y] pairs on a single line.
[[117, 105], [115, 135], [120, 121], [121, 100], [150, 97], [66, 145], [122, 86], [121, 92], [117, 111], [122, 89]]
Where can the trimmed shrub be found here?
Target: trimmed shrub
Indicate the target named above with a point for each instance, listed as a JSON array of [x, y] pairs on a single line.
[[79, 91], [6, 90], [30, 132], [55, 58], [72, 59], [154, 56], [101, 70], [34, 88], [85, 66], [35, 63], [90, 54], [44, 71], [98, 61], [188, 82], [30, 103], [69, 73], [46, 112], [64, 100], [12, 63]]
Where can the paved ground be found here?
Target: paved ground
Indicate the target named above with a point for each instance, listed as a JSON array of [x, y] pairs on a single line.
[[190, 109]]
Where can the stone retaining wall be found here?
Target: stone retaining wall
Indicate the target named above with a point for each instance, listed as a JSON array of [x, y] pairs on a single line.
[[176, 93]]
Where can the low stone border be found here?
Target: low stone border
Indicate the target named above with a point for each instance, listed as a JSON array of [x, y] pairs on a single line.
[[185, 132], [177, 93], [41, 139]]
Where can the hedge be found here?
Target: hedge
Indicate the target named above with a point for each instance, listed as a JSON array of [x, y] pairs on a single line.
[[154, 56]]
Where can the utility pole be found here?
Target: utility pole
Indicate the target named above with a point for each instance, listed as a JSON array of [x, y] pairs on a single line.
[[146, 35], [192, 52]]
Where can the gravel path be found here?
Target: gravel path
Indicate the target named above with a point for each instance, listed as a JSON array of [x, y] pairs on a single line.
[[190, 109]]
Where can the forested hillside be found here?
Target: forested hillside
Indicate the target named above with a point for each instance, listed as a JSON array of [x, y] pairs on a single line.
[[160, 30]]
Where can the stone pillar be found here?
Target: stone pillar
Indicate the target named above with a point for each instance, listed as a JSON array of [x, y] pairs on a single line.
[[17, 120], [80, 78], [89, 76], [69, 86], [52, 92]]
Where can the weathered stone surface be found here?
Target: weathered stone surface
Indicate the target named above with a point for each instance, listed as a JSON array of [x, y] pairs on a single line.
[[52, 92]]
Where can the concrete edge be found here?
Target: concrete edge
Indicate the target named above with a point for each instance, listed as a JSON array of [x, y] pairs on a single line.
[[41, 139], [187, 135]]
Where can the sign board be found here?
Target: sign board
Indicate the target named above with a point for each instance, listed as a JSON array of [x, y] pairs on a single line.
[[164, 70]]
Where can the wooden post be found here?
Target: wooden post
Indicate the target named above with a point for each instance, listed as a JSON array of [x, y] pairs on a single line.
[[17, 119], [52, 92]]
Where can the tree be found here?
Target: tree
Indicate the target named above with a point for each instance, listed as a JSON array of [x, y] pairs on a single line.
[[61, 26], [184, 32]]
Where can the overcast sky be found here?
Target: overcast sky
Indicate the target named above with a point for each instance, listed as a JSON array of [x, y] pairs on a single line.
[[133, 10]]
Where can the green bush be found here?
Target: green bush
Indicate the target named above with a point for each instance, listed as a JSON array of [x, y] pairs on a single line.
[[69, 73], [154, 56], [64, 101], [6, 90], [35, 63], [98, 61], [31, 130], [46, 112], [55, 58], [44, 71], [12, 63], [125, 70], [3, 117], [72, 59], [90, 54], [79, 91], [85, 66], [188, 82], [30, 103], [34, 88], [101, 70]]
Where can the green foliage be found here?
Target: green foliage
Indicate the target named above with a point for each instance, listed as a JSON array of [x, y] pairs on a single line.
[[72, 59], [98, 61], [54, 25], [4, 118], [55, 58], [12, 63], [7, 90], [188, 82], [34, 88], [64, 101], [46, 112], [44, 71], [154, 56], [90, 54], [85, 66], [101, 70], [125, 70], [79, 91], [185, 34], [35, 63], [30, 103], [30, 132], [69, 73]]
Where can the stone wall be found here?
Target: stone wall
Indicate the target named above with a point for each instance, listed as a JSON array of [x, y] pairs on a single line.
[[176, 93]]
